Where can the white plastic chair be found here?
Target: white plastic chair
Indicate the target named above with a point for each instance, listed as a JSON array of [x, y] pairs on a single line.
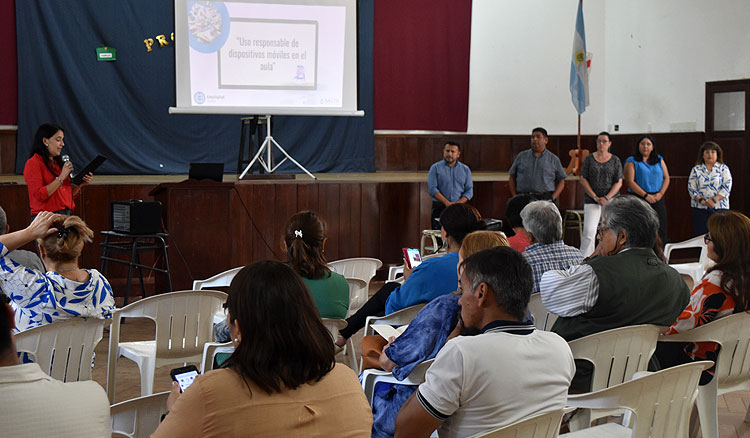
[[363, 268], [732, 373], [616, 355], [63, 349], [223, 279], [184, 322], [544, 425], [543, 318], [371, 377], [358, 291], [138, 417], [661, 402], [210, 350], [334, 326], [694, 269]]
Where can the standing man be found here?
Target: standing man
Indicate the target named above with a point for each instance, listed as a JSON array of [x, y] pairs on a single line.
[[537, 170], [449, 182]]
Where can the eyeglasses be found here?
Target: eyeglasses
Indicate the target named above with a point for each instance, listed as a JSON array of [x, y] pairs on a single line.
[[707, 238], [600, 230]]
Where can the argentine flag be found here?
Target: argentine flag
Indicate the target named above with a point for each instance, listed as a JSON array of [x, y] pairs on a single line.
[[579, 74]]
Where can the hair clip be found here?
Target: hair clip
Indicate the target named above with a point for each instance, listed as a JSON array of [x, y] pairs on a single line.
[[63, 232], [298, 233]]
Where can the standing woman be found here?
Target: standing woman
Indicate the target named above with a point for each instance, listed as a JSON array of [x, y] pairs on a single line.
[[601, 178], [47, 176], [646, 175], [709, 185]]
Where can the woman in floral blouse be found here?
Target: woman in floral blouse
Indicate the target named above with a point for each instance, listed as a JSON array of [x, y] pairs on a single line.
[[709, 185], [725, 288]]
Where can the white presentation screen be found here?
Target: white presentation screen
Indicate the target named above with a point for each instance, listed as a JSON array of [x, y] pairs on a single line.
[[266, 57]]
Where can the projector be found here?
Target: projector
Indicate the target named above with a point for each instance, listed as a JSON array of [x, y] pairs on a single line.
[[136, 216]]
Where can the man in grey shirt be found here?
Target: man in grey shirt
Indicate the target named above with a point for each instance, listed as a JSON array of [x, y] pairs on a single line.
[[537, 170], [23, 258]]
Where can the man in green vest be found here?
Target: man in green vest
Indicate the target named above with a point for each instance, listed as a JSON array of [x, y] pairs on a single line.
[[623, 283]]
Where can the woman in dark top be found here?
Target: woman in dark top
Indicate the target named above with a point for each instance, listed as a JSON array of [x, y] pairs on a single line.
[[601, 178]]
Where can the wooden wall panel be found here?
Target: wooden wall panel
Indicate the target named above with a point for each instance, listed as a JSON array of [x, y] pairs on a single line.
[[370, 214], [8, 151]]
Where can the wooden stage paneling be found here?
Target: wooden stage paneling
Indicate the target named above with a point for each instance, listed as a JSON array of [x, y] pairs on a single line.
[[216, 226]]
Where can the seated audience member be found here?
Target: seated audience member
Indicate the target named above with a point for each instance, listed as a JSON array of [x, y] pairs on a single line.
[[508, 372], [34, 404], [427, 333], [520, 240], [304, 241], [543, 224], [65, 291], [282, 378], [433, 277], [24, 258], [725, 289], [623, 283]]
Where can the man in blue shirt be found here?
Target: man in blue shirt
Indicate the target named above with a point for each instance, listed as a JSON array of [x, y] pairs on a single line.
[[449, 182], [537, 170]]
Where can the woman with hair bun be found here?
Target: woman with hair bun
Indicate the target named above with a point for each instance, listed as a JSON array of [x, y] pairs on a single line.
[[65, 290], [304, 240]]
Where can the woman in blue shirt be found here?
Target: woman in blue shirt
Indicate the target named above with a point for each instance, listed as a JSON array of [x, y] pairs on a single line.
[[646, 175]]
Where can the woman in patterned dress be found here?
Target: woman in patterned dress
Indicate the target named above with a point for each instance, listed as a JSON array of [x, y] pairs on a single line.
[[65, 290], [725, 289], [709, 185]]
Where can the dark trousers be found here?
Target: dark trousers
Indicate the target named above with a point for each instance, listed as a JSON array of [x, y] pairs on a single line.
[[65, 211], [700, 219], [375, 306], [661, 211], [437, 209]]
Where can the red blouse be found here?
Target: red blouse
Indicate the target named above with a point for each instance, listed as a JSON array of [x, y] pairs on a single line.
[[37, 177]]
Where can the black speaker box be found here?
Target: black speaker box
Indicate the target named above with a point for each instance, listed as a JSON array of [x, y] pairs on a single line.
[[136, 216]]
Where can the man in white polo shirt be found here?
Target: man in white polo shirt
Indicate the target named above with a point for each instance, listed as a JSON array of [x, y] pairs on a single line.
[[506, 373]]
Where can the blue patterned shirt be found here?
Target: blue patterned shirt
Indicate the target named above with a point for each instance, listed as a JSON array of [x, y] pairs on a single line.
[[557, 256], [39, 298], [707, 184]]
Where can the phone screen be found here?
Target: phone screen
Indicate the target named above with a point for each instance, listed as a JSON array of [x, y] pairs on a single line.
[[413, 257], [185, 379]]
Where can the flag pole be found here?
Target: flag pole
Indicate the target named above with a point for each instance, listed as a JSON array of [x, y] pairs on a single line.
[[578, 142]]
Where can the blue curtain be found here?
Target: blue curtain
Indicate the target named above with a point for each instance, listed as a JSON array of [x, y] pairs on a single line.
[[119, 109]]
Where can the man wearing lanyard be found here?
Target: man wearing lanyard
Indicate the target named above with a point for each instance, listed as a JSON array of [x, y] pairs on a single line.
[[537, 170], [449, 182]]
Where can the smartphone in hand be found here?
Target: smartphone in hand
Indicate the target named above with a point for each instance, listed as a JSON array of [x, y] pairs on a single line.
[[184, 376], [412, 257]]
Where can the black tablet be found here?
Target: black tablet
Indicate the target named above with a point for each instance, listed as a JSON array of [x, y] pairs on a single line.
[[91, 167]]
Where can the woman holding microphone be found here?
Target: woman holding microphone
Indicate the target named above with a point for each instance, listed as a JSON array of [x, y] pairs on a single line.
[[47, 173]]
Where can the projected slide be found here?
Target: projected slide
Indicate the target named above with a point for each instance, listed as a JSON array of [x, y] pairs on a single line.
[[270, 55]]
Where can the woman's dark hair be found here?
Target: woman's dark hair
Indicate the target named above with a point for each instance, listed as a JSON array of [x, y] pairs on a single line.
[[730, 232], [46, 130], [514, 206], [653, 158], [5, 341], [304, 235], [67, 243], [284, 343], [710, 146], [458, 220], [609, 137]]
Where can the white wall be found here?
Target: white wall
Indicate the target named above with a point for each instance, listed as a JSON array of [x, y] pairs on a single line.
[[650, 62]]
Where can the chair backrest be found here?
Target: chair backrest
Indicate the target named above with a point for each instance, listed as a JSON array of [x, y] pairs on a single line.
[[544, 425], [695, 242], [401, 317], [210, 350], [617, 354], [371, 377], [661, 401], [733, 362], [543, 318], [363, 268], [139, 417], [63, 349], [184, 320], [219, 280], [334, 326]]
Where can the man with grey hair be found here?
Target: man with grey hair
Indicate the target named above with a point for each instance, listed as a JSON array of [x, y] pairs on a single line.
[[623, 283], [479, 383], [543, 225], [20, 256]]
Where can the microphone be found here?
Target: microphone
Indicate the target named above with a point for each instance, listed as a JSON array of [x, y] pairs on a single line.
[[65, 158]]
